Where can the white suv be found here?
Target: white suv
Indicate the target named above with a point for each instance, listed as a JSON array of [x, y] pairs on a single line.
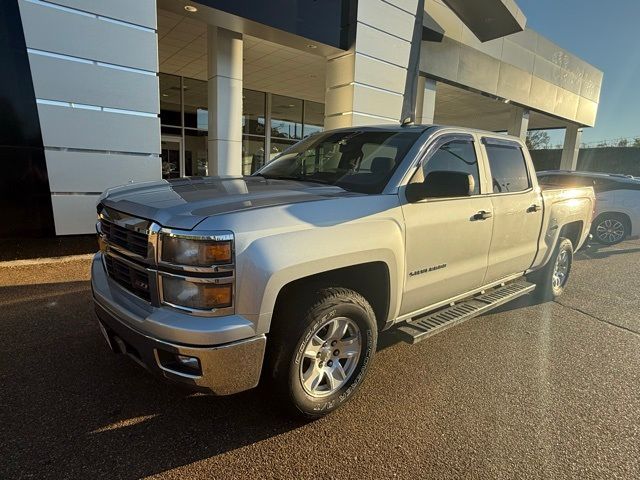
[[617, 201]]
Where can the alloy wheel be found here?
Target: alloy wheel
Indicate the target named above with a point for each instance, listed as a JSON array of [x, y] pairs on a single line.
[[560, 270], [330, 357], [610, 230]]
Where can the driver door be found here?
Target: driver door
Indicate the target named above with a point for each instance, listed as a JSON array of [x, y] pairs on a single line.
[[447, 239]]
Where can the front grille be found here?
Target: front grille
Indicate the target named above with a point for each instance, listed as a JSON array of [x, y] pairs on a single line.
[[130, 240], [132, 279]]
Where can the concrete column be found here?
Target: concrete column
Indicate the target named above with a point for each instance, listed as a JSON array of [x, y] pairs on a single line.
[[366, 85], [571, 148], [519, 123], [224, 74], [426, 101]]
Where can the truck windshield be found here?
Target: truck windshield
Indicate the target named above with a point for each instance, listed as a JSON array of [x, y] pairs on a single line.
[[356, 160]]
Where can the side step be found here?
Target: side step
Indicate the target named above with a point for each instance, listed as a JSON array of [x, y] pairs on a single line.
[[420, 328]]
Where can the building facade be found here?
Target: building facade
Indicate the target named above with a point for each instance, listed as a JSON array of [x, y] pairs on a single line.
[[101, 94]]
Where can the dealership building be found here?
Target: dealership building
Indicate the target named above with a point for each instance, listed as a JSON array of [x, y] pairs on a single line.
[[99, 93]]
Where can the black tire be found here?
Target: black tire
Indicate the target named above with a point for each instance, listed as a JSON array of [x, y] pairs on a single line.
[[546, 289], [295, 328], [610, 228]]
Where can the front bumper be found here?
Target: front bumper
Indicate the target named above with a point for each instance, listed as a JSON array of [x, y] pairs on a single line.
[[231, 366]]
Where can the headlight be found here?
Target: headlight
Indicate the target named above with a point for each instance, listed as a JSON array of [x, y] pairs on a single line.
[[196, 252], [196, 295]]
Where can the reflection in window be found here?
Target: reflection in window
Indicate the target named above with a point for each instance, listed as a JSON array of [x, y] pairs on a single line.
[[170, 109], [286, 117], [253, 108], [455, 156], [313, 118], [195, 153], [195, 104], [278, 146], [252, 154], [508, 170], [184, 115]]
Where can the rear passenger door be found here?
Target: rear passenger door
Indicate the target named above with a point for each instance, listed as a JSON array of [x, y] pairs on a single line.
[[517, 209]]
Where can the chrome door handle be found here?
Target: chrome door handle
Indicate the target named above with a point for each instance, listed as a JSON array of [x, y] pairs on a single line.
[[482, 215], [534, 208]]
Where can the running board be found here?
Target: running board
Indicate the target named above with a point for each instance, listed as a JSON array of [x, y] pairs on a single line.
[[419, 328]]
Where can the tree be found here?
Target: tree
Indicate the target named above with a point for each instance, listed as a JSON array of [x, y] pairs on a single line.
[[623, 142], [636, 142], [538, 140]]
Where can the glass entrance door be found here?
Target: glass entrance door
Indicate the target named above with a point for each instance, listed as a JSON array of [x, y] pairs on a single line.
[[172, 157]]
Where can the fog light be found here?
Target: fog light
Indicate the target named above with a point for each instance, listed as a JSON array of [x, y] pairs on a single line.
[[189, 362]]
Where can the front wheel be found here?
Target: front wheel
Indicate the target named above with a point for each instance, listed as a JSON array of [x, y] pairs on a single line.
[[552, 279], [318, 361]]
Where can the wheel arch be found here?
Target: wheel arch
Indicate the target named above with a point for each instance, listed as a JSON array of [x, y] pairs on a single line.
[[572, 231], [372, 280]]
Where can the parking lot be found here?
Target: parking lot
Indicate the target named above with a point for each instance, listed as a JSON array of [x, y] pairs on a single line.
[[532, 391]]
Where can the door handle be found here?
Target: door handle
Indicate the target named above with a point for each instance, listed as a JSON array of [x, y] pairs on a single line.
[[482, 215], [534, 208]]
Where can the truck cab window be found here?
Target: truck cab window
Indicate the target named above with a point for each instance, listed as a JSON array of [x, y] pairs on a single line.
[[508, 170], [454, 156]]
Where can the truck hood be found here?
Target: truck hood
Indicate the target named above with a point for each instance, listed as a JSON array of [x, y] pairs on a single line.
[[185, 202]]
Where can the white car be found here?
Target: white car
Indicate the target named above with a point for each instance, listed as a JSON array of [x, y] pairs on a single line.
[[617, 212]]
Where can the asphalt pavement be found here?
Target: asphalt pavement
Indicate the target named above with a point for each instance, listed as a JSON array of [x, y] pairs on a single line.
[[532, 391]]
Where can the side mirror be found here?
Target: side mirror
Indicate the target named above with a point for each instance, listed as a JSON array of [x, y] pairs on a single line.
[[441, 184]]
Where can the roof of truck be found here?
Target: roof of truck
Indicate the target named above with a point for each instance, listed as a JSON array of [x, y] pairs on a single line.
[[424, 127]]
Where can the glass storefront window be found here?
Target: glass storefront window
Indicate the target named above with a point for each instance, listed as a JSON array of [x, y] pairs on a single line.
[[170, 156], [170, 107], [195, 104], [313, 118], [253, 116], [184, 123], [252, 154], [286, 117], [195, 153]]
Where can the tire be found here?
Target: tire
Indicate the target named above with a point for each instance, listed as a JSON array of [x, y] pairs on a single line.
[[550, 282], [610, 228], [316, 386]]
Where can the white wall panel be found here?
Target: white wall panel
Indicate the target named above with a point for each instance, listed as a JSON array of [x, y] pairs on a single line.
[[91, 84], [377, 102], [81, 171], [383, 46], [380, 74], [74, 214], [138, 12], [68, 33], [97, 130], [389, 18]]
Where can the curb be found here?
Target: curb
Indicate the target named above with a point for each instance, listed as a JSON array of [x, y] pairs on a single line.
[[45, 261]]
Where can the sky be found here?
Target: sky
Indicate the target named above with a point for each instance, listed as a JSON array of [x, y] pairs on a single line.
[[606, 34]]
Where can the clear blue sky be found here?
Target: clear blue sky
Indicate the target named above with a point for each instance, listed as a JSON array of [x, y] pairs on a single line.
[[606, 34]]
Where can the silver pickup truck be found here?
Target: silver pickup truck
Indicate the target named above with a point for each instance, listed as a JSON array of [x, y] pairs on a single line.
[[291, 273]]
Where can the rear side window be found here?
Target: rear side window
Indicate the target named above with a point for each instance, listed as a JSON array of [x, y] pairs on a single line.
[[508, 169]]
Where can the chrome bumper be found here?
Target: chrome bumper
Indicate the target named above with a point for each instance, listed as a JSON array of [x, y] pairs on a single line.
[[229, 366]]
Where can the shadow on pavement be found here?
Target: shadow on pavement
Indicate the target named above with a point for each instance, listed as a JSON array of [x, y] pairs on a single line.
[[71, 408], [599, 252]]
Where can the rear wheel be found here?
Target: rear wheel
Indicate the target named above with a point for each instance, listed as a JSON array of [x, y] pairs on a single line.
[[319, 360], [610, 228], [552, 279]]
